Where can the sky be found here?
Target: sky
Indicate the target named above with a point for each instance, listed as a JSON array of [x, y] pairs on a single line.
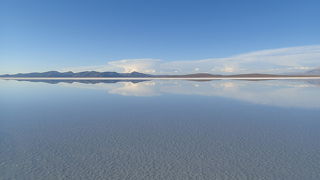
[[163, 36]]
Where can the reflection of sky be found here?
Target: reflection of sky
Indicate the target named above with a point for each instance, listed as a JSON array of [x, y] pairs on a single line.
[[273, 92]]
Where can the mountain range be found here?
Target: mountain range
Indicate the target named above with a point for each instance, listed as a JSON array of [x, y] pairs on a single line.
[[76, 75], [313, 72], [95, 74]]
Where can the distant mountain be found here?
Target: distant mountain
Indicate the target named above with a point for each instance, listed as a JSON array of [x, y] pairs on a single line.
[[206, 75], [314, 72], [95, 74], [79, 74]]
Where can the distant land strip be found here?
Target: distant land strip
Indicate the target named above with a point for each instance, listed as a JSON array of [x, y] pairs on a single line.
[[94, 75], [160, 78]]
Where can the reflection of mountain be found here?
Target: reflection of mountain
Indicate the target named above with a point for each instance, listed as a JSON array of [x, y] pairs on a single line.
[[69, 74], [95, 74], [314, 82], [56, 81], [124, 88], [284, 93]]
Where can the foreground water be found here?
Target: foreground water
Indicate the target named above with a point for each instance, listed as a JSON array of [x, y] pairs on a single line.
[[166, 129]]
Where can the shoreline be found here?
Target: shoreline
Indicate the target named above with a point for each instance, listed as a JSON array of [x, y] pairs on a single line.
[[159, 78]]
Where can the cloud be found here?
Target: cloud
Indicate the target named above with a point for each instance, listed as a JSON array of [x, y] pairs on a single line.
[[138, 65], [228, 69], [283, 60], [125, 66]]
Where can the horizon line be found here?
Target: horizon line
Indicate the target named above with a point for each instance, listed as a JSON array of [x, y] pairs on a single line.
[[159, 78]]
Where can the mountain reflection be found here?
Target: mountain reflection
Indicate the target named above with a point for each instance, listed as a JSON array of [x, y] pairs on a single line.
[[284, 93], [57, 81]]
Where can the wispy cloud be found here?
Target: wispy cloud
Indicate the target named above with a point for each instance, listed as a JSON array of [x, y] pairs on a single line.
[[283, 60]]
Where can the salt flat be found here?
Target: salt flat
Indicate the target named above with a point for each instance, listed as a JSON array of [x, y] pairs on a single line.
[[160, 129]]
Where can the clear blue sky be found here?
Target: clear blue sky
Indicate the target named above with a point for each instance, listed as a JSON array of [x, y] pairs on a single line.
[[37, 35]]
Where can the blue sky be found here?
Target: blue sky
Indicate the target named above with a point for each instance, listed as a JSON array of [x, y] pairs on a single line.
[[40, 35]]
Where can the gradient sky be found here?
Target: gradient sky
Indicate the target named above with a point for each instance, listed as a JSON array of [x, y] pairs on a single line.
[[41, 35]]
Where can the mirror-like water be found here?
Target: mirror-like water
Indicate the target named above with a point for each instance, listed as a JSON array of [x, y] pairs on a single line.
[[163, 129]]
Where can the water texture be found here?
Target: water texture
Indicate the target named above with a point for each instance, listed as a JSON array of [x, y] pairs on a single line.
[[163, 129]]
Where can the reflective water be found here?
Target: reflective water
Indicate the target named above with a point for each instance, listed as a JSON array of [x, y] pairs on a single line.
[[169, 129]]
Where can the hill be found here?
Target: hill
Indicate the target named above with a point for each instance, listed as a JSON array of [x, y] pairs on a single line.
[[56, 74]]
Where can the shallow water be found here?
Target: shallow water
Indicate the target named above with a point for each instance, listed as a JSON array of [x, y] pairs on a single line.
[[163, 129]]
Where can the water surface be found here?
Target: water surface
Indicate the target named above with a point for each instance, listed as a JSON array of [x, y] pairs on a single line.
[[162, 129]]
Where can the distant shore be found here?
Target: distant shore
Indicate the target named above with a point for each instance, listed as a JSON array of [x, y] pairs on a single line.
[[159, 78]]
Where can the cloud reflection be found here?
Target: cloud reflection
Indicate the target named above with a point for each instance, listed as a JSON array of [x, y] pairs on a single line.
[[284, 93]]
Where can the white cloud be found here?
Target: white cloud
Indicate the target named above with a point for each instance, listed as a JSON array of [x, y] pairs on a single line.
[[138, 65], [228, 69], [284, 60]]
